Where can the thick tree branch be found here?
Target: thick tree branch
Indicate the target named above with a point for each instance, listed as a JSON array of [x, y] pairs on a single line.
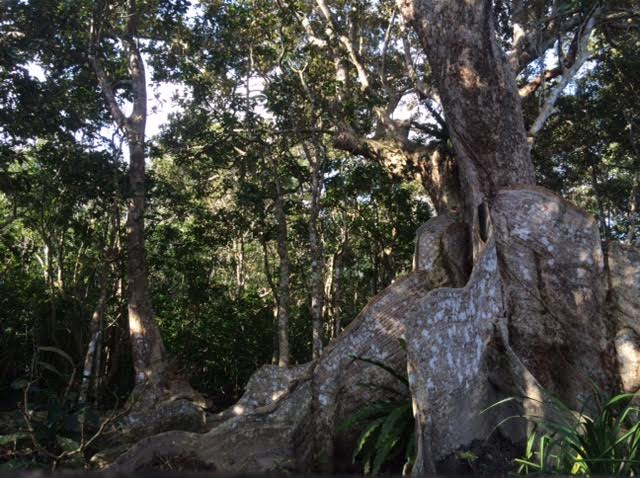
[[580, 54], [383, 55], [531, 41], [107, 90], [306, 25], [138, 80], [430, 130]]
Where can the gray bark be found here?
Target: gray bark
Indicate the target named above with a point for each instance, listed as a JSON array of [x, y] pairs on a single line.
[[479, 97], [95, 332], [305, 404], [149, 356]]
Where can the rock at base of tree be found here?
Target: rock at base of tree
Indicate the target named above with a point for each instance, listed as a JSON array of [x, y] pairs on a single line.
[[179, 414]]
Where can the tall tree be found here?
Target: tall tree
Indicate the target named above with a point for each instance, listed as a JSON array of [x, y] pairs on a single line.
[[481, 103], [149, 356], [122, 23], [315, 156]]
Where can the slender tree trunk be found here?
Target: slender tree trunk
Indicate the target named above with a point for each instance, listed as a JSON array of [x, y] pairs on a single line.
[[283, 280], [149, 356], [317, 262], [59, 283], [88, 370], [602, 217], [92, 362], [334, 308], [634, 211], [46, 269], [98, 368], [274, 292], [148, 352], [238, 249], [634, 196], [328, 286]]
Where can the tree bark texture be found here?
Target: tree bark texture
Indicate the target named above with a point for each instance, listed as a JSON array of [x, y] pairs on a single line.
[[149, 356], [464, 350], [95, 332], [479, 95], [546, 299], [153, 379], [307, 403]]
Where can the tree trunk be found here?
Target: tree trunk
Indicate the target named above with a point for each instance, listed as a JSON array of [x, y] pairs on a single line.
[[331, 288], [479, 98], [305, 404], [536, 258], [283, 280], [161, 399], [149, 357], [238, 252], [88, 368], [274, 293], [315, 157], [95, 333], [433, 165]]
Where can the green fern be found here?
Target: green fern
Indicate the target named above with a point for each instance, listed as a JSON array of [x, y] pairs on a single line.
[[389, 430]]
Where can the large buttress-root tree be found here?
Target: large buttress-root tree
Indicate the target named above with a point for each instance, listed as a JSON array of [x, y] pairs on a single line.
[[536, 313], [537, 320]]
